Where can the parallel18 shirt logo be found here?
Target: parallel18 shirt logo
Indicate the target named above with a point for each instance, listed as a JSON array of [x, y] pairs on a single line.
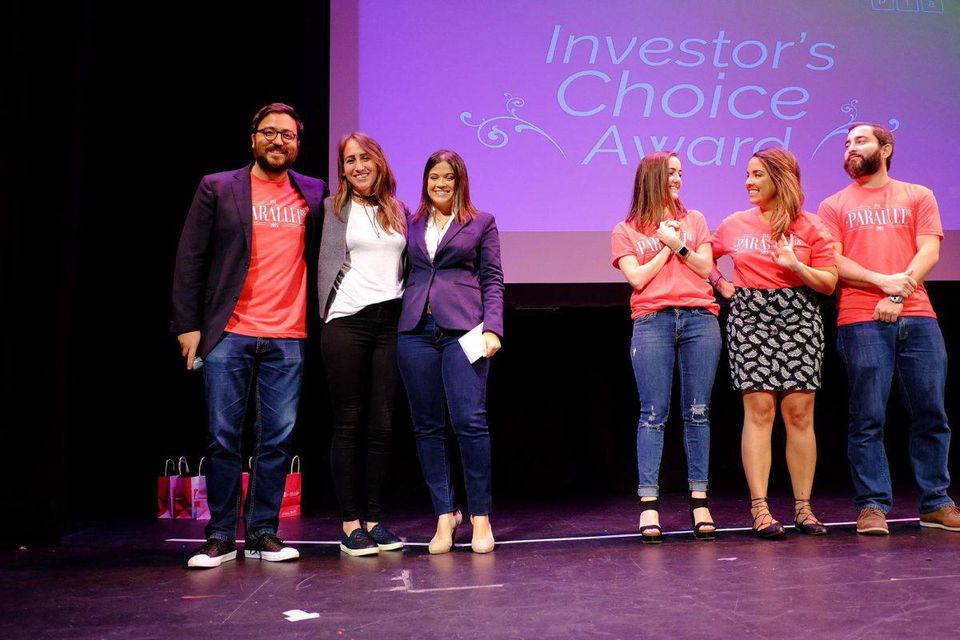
[[877, 218]]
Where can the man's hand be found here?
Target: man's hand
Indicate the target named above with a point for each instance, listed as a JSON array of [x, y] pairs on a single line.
[[189, 342], [887, 310], [898, 284]]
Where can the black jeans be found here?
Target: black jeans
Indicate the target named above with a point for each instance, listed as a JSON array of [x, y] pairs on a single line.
[[360, 358]]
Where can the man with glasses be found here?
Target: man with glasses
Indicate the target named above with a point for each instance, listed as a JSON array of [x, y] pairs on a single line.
[[239, 312], [888, 236]]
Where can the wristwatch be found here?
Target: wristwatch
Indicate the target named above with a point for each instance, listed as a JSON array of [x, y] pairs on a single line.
[[682, 251], [896, 299]]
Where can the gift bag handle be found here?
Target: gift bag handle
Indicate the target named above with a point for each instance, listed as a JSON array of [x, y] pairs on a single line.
[[181, 465], [200, 466], [167, 465], [295, 460]]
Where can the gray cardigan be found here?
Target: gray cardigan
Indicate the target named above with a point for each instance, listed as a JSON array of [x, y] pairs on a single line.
[[333, 253]]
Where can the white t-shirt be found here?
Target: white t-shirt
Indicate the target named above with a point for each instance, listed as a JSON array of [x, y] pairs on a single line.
[[373, 271]]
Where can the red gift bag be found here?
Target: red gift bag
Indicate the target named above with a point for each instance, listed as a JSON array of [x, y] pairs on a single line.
[[244, 484], [290, 506], [191, 494], [182, 493], [166, 485]]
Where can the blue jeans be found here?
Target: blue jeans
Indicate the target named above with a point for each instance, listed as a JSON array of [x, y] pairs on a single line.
[[440, 379], [872, 352], [270, 368], [691, 338]]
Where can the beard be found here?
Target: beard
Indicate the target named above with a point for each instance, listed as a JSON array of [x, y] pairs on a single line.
[[859, 166], [273, 164]]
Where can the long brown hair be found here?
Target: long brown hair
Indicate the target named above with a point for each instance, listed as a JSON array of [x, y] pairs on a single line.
[[390, 214], [784, 171], [463, 209], [651, 193]]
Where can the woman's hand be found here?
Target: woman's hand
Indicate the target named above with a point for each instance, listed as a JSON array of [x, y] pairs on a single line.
[[491, 344], [667, 234], [726, 288], [783, 254]]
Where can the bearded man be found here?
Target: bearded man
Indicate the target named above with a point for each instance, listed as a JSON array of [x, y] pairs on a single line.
[[888, 235], [239, 311]]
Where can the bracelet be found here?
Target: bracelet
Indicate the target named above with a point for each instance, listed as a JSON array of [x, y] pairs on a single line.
[[896, 299]]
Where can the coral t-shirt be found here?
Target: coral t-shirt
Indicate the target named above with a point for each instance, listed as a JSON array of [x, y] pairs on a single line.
[[274, 299], [676, 284], [878, 227], [747, 238]]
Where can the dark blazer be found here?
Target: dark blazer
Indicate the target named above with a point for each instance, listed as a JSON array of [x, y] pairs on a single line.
[[464, 283], [214, 251]]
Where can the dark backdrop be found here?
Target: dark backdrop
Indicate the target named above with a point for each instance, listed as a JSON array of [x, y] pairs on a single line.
[[110, 121]]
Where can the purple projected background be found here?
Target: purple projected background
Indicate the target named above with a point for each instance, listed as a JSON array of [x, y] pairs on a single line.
[[553, 103]]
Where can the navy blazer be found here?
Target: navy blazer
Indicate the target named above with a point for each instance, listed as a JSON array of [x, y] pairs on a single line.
[[215, 247], [463, 283]]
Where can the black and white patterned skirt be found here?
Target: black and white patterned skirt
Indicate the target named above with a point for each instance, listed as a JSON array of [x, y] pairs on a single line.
[[775, 339]]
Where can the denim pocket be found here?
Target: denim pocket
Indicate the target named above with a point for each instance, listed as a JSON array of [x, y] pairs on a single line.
[[645, 318]]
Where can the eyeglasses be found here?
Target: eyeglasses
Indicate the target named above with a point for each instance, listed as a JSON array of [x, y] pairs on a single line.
[[270, 134]]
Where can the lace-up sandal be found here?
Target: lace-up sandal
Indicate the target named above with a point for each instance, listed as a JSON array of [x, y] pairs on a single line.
[[805, 522], [772, 530]]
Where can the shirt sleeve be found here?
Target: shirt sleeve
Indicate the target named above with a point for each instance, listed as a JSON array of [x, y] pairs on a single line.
[[699, 231], [719, 240], [830, 218], [928, 214], [821, 244], [620, 244]]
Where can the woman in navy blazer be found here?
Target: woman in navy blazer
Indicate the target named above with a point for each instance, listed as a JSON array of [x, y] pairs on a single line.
[[455, 282]]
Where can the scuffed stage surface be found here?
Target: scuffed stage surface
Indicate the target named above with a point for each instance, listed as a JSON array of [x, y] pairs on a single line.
[[127, 580]]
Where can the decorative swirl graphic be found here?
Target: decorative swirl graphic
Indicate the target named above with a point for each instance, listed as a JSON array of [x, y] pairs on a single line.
[[851, 109], [491, 135]]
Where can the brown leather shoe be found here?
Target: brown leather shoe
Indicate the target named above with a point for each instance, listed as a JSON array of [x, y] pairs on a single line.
[[872, 522], [947, 517]]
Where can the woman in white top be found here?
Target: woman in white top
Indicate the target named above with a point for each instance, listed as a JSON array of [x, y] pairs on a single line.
[[360, 284]]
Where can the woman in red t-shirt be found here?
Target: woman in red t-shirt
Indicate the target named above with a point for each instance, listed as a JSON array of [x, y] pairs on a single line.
[[664, 251], [782, 255]]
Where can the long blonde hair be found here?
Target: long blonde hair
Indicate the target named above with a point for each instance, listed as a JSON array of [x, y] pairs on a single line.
[[784, 171], [390, 214]]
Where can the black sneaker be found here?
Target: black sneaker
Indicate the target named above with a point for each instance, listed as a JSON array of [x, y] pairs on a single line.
[[270, 548], [386, 540], [213, 553], [359, 543]]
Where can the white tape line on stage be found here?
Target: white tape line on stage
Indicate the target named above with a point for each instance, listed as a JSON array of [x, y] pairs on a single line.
[[609, 536]]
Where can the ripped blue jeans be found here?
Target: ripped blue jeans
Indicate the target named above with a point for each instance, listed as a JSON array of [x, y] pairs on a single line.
[[689, 337]]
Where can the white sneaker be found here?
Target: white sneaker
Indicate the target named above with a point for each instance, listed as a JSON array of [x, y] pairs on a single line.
[[213, 553], [270, 548]]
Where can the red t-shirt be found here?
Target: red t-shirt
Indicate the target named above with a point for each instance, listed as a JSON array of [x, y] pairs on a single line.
[[676, 284], [746, 237], [274, 299], [878, 227]]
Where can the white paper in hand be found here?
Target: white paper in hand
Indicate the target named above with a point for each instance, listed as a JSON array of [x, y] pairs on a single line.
[[472, 343]]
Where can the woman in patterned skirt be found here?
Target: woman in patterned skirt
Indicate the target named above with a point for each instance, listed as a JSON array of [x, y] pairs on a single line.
[[781, 256]]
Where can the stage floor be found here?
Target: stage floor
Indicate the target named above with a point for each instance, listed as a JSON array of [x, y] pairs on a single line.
[[561, 570]]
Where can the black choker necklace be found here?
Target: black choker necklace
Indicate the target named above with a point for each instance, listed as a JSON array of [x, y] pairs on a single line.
[[368, 200]]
